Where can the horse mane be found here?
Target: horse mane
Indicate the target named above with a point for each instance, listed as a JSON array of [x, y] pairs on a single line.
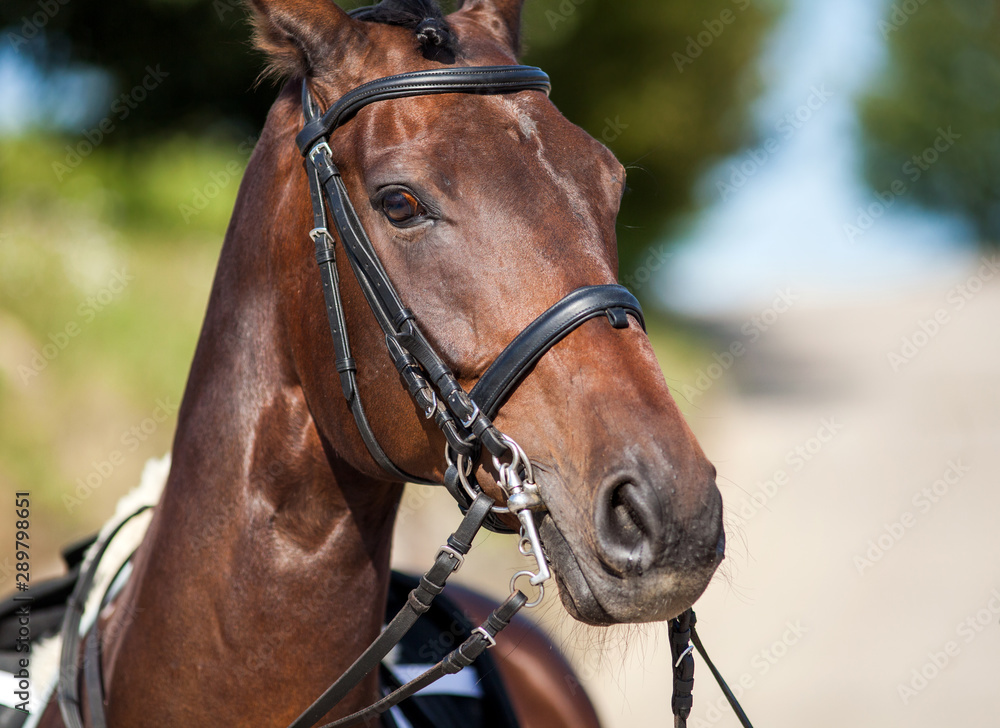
[[424, 17]]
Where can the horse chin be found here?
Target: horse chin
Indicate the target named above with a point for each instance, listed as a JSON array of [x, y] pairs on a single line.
[[593, 596]]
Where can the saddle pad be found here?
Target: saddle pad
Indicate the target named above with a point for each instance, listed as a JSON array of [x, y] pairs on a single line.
[[474, 698]]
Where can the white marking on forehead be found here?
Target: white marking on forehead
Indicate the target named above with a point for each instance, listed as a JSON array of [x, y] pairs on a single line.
[[528, 126], [518, 108]]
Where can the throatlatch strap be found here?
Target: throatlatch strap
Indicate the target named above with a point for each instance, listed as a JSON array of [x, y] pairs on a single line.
[[418, 602]]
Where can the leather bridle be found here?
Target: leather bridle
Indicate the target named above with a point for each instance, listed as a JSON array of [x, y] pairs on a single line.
[[465, 418]]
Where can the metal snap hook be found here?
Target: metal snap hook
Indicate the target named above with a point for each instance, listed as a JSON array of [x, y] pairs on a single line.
[[524, 544]]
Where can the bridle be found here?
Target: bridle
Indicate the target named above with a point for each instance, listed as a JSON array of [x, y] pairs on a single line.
[[465, 418]]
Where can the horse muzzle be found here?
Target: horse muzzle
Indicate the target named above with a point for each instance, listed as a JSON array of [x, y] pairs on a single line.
[[639, 561]]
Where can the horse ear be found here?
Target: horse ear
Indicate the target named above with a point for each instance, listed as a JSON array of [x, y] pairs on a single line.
[[304, 37], [501, 17]]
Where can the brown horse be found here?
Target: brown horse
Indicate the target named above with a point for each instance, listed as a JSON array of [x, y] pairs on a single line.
[[273, 533]]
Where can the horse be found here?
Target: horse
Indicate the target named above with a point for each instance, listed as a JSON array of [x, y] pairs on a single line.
[[486, 209]]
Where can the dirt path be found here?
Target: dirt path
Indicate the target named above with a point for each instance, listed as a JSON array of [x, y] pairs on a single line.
[[854, 583], [862, 585]]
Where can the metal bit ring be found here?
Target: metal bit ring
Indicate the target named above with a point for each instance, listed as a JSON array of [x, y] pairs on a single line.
[[541, 588]]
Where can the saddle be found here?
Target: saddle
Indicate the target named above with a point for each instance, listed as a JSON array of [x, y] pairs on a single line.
[[473, 698]]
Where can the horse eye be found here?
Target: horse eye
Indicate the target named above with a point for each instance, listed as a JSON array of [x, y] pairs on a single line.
[[401, 207]]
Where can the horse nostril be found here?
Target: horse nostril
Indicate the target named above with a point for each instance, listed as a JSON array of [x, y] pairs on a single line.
[[643, 526], [625, 515], [628, 527]]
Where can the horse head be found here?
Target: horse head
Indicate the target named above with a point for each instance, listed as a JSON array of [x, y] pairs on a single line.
[[485, 210]]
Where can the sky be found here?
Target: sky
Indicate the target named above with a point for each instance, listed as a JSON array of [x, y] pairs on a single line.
[[773, 217], [776, 215]]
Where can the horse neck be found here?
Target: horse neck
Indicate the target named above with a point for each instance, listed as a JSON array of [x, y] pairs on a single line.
[[266, 564]]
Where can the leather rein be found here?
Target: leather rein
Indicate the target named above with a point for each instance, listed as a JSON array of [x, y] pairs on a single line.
[[465, 418]]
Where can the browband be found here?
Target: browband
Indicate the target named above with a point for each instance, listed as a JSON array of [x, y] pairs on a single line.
[[476, 80]]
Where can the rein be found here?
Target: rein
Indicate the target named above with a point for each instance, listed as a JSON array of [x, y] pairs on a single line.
[[465, 418]]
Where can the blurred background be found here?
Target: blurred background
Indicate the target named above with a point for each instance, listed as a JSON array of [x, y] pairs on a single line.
[[811, 223]]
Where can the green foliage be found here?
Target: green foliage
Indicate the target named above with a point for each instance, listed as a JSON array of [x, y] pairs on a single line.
[[664, 84], [944, 72], [102, 290], [201, 48]]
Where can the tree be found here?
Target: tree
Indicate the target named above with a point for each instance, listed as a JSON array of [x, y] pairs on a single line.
[[202, 47], [932, 121], [664, 84]]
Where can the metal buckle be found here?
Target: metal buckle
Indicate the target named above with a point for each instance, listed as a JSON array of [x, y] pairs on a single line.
[[489, 638], [321, 147], [316, 232], [472, 417], [432, 407], [459, 558]]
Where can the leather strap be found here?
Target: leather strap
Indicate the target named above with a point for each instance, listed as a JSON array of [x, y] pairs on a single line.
[[546, 331], [418, 602], [94, 680], [345, 364], [681, 629], [477, 80], [683, 668], [404, 337], [733, 702], [68, 687], [461, 657]]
